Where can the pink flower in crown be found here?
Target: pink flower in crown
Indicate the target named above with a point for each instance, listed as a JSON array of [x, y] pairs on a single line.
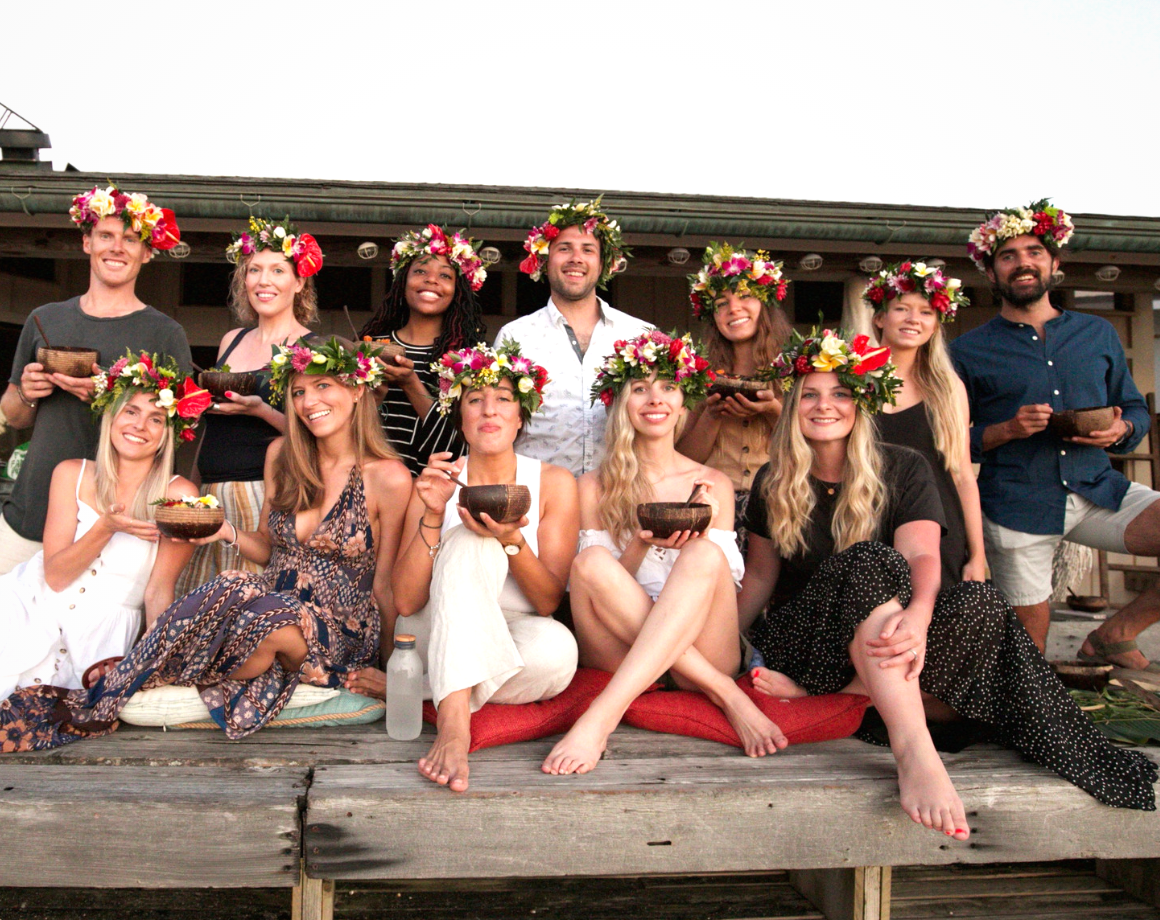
[[736, 265], [444, 385], [591, 224], [521, 365], [479, 361], [364, 366], [120, 365], [300, 358], [247, 242]]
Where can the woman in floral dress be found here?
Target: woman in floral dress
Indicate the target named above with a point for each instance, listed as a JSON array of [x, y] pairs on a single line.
[[335, 497]]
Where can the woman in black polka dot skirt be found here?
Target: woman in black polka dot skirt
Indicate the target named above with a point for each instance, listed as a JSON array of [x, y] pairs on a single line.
[[844, 538]]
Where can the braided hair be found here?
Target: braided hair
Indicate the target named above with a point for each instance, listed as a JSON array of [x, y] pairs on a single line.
[[462, 322]]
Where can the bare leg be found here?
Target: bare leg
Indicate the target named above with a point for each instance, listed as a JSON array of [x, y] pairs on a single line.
[[1036, 619], [1126, 625], [927, 794], [287, 644], [692, 629], [446, 762]]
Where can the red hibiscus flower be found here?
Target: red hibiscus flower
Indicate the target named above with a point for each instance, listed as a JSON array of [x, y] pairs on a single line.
[[550, 232], [700, 363], [530, 265], [940, 301], [606, 397], [188, 434], [860, 344], [309, 261], [876, 294], [675, 347], [193, 400]]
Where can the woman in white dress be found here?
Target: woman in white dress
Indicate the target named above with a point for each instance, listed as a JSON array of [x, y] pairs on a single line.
[[644, 606], [479, 597], [81, 599]]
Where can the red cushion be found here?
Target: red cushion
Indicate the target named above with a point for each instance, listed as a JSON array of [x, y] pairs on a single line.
[[501, 723], [803, 720]]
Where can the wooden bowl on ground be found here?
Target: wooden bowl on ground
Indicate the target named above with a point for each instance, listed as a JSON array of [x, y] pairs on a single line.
[[70, 360], [504, 504], [389, 348], [1082, 675], [1080, 423], [243, 383], [188, 523], [1087, 603], [667, 518], [731, 385]]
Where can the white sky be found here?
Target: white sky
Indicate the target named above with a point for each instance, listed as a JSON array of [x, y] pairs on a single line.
[[984, 104]]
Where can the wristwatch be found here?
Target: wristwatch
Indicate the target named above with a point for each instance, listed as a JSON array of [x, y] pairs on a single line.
[[513, 549]]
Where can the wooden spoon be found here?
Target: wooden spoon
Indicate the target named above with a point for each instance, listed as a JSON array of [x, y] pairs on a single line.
[[36, 319]]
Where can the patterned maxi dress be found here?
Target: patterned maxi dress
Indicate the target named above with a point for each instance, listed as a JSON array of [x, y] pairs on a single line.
[[322, 586]]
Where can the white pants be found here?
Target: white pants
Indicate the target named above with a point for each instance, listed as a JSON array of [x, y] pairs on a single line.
[[14, 549], [466, 640]]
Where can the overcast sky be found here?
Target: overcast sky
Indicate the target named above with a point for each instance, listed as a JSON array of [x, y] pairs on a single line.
[[983, 104]]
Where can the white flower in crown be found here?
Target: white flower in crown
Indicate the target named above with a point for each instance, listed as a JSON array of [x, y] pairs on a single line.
[[280, 232], [102, 203], [318, 358], [165, 398]]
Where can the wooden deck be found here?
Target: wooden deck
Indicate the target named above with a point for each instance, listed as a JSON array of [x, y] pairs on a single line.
[[302, 809]]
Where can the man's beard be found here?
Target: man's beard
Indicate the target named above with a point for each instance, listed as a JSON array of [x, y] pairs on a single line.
[[1024, 296]]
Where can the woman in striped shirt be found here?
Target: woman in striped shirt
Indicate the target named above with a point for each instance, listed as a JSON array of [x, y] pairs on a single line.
[[430, 309]]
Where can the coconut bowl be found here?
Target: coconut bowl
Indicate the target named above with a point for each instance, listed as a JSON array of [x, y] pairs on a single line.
[[667, 518], [1080, 423], [504, 504], [218, 383], [188, 523], [731, 385], [390, 349], [1087, 603], [70, 360], [1082, 675]]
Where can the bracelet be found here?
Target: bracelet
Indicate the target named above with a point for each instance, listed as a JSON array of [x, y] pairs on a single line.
[[235, 529], [423, 523], [31, 403], [432, 550]]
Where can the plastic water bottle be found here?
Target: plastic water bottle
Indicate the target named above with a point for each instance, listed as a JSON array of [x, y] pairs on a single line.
[[404, 691]]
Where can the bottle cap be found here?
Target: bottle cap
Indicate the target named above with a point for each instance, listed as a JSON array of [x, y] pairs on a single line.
[[404, 640]]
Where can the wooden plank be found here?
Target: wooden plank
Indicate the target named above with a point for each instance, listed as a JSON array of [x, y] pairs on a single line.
[[846, 894], [313, 899], [1139, 877], [811, 810], [133, 827]]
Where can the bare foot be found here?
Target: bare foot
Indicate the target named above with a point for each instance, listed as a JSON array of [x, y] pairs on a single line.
[[927, 793], [759, 736], [774, 683], [368, 681], [578, 751], [446, 762]]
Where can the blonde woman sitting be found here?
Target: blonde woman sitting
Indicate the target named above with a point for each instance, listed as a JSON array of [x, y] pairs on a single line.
[[643, 606]]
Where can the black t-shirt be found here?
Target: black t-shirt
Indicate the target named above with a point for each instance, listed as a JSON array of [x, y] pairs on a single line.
[[911, 495]]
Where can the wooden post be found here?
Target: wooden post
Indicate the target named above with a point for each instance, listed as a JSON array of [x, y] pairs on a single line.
[[1138, 877], [846, 894], [313, 898]]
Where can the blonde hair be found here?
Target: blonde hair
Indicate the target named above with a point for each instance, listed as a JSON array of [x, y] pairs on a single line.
[[936, 378], [789, 496], [305, 301], [622, 476], [297, 475], [106, 468]]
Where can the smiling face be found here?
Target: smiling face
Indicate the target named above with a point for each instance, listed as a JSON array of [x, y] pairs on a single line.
[[139, 429], [908, 321], [115, 253], [574, 264], [324, 405], [737, 317], [1021, 270], [826, 409], [489, 418], [430, 285], [271, 283], [655, 406]]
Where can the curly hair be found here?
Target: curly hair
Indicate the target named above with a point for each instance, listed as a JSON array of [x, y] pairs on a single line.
[[305, 301], [462, 324]]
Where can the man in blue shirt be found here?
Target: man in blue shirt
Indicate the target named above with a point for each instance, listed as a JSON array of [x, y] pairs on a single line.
[[1037, 488]]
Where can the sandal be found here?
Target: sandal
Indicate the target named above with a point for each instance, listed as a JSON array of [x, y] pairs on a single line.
[[95, 672], [1105, 650]]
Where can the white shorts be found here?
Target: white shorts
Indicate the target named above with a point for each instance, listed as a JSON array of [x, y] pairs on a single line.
[[1021, 562]]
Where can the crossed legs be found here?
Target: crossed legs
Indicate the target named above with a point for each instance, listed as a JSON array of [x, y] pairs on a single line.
[[690, 630]]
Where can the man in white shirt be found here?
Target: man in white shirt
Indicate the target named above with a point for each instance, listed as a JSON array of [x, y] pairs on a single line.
[[578, 248]]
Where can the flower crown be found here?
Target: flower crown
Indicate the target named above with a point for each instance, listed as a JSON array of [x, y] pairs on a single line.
[[481, 366], [1040, 218], [910, 277], [155, 226], [184, 403], [861, 366], [732, 270], [459, 249], [300, 248], [654, 352], [330, 359], [593, 220]]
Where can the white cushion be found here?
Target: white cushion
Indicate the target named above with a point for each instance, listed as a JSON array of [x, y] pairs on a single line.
[[171, 705]]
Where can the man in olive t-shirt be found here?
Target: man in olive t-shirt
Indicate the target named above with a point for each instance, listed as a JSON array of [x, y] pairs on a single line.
[[108, 318]]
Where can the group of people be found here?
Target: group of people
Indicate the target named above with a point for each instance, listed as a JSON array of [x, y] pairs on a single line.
[[846, 547]]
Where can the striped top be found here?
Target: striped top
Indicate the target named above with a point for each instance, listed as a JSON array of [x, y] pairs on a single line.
[[416, 439]]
